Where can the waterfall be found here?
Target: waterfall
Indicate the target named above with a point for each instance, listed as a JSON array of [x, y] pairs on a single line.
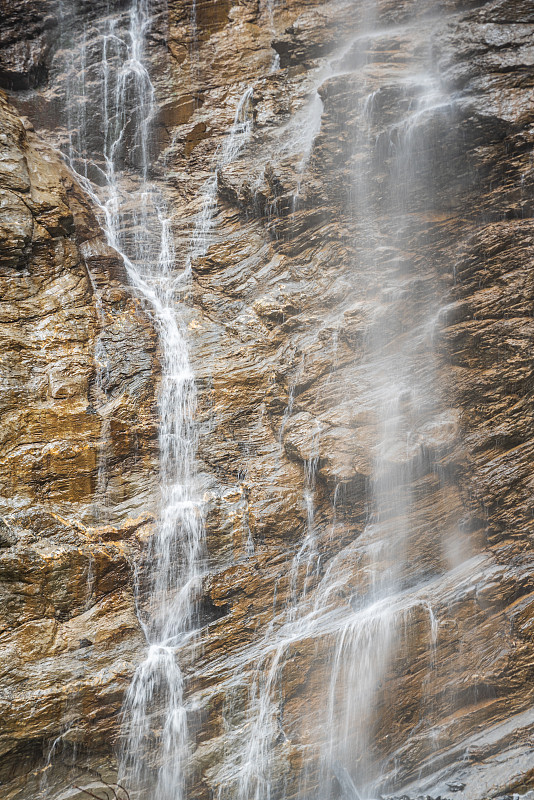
[[397, 367], [108, 80], [137, 224], [396, 376]]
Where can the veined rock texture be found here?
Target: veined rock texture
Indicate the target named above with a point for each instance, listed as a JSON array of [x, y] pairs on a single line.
[[79, 458], [370, 226]]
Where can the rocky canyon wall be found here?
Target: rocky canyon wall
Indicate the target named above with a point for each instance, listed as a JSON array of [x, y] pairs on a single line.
[[66, 580], [305, 258]]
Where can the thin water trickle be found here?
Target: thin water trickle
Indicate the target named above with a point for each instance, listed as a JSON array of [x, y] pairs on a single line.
[[194, 35], [205, 223], [270, 7]]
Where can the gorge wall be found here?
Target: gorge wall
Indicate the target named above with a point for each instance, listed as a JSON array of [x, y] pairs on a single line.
[[311, 252]]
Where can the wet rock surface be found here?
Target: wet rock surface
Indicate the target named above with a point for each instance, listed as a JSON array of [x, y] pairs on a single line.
[[70, 636], [281, 307]]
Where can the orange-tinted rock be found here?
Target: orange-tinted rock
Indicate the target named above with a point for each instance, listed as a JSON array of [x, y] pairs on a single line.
[[70, 636]]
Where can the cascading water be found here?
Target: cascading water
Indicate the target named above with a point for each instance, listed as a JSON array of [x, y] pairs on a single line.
[[108, 80], [138, 226], [205, 223], [397, 369]]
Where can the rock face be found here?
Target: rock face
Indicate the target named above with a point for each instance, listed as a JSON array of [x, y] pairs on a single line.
[[79, 372], [309, 264], [28, 32]]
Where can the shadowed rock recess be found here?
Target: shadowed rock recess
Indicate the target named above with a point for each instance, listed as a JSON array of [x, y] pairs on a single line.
[[350, 190]]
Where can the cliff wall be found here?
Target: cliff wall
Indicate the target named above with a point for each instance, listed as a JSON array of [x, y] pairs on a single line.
[[281, 306]]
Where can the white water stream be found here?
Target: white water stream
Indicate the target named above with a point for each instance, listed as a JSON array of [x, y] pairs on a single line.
[[398, 370], [137, 225], [155, 736]]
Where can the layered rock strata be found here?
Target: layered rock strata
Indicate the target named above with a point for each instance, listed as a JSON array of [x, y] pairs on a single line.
[[282, 302], [79, 459]]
